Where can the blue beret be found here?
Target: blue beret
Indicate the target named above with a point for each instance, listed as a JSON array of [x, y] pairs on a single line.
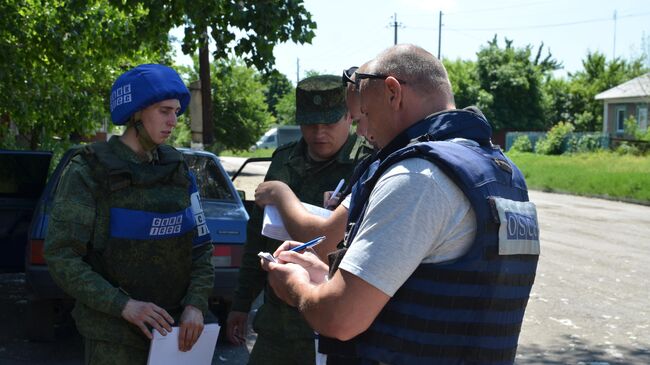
[[144, 85]]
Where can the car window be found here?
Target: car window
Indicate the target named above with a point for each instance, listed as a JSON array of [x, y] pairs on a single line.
[[23, 174], [293, 135], [212, 184]]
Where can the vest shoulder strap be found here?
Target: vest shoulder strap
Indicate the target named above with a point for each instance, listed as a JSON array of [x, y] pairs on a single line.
[[106, 166], [169, 155]]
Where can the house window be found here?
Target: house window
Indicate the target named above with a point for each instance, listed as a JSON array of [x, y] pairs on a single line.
[[620, 119], [642, 117]]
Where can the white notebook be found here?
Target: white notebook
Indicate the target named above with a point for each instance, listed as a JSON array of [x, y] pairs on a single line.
[[164, 349], [273, 226]]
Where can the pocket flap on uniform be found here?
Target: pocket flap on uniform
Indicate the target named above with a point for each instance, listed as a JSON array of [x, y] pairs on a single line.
[[519, 228]]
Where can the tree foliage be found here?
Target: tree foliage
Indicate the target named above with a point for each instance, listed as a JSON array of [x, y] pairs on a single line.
[[277, 86], [249, 29], [286, 109], [597, 75], [241, 114], [464, 81], [59, 60], [510, 82]]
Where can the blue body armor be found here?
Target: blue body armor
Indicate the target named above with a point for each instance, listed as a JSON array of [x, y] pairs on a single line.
[[468, 310]]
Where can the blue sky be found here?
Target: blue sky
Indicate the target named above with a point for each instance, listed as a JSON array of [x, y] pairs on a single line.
[[354, 31]]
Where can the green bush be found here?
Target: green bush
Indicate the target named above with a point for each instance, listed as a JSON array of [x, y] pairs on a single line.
[[522, 144], [628, 149], [584, 143], [552, 143], [632, 129]]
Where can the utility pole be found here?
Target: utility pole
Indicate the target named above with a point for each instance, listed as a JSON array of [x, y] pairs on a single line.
[[297, 70], [439, 31], [206, 90], [395, 24], [614, 52]]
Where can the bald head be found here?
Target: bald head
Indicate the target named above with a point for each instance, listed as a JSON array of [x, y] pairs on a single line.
[[420, 70]]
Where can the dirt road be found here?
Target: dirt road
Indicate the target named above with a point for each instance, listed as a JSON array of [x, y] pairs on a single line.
[[590, 304]]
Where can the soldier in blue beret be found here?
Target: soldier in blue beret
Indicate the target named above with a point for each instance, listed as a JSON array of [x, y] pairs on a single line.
[[125, 236]]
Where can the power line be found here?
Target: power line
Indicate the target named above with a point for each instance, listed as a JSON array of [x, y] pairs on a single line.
[[552, 25], [497, 8]]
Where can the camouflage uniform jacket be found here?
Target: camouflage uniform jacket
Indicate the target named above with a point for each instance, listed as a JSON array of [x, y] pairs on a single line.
[[308, 180], [101, 270]]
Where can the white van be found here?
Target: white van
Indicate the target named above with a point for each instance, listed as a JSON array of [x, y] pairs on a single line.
[[278, 136]]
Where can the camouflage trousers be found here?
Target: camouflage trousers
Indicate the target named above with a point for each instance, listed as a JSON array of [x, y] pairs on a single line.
[[110, 353], [272, 350]]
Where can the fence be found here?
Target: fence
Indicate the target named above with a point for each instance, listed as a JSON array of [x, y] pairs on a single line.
[[594, 139]]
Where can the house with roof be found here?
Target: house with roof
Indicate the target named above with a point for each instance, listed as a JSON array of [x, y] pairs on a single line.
[[631, 98]]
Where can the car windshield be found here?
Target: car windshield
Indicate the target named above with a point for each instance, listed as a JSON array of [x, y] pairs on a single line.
[[212, 183]]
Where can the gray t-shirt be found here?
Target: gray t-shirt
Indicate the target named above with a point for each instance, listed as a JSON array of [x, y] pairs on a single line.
[[415, 215]]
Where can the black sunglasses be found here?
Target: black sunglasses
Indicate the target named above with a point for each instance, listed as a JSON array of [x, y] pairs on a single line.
[[347, 75], [360, 76]]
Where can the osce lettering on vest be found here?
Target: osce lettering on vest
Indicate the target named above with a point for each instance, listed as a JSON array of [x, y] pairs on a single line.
[[203, 234], [519, 230], [138, 224], [164, 226]]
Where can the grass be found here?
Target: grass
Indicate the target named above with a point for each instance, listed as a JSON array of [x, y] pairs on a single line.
[[256, 153], [602, 174]]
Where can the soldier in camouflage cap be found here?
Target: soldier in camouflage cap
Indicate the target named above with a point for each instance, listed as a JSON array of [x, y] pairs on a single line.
[[125, 235], [327, 153]]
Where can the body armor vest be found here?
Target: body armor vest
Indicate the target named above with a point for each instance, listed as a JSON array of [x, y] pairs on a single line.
[[469, 310], [146, 219]]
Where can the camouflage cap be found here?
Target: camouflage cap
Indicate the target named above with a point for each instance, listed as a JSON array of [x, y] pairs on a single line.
[[320, 100]]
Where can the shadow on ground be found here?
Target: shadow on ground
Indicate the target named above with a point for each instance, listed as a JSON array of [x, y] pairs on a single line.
[[572, 351]]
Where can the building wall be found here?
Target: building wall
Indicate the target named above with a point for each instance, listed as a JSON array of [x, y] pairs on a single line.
[[630, 109]]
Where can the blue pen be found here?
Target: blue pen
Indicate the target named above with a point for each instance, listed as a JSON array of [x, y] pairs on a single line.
[[308, 244]]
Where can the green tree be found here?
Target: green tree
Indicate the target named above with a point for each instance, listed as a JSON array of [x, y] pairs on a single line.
[[597, 75], [286, 109], [464, 81], [249, 29], [277, 86], [510, 81], [556, 100], [241, 114], [58, 61]]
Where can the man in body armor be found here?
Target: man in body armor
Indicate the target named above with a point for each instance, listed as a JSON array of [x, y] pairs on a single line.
[[443, 243], [127, 236], [316, 163]]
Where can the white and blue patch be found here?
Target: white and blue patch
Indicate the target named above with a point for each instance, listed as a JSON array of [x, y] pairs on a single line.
[[121, 95], [143, 225], [202, 231], [519, 228], [199, 216], [166, 226]]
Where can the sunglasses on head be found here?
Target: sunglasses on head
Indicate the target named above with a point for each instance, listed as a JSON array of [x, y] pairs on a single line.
[[360, 76], [347, 75]]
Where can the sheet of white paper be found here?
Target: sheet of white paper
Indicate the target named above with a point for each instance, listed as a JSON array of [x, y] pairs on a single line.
[[164, 349], [273, 226]]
